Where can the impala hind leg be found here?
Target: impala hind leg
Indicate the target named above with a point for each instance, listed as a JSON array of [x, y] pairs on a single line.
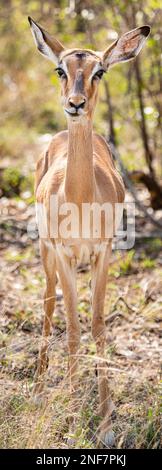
[[99, 278], [49, 263], [67, 275]]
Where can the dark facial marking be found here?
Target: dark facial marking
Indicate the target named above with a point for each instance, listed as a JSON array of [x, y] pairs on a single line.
[[80, 55], [79, 83]]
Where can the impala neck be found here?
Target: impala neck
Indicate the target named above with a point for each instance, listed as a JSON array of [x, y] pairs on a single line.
[[79, 179]]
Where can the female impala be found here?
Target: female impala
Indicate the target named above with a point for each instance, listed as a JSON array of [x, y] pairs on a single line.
[[78, 168]]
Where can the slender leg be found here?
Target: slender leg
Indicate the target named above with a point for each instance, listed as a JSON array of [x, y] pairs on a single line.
[[99, 277], [67, 275], [49, 263]]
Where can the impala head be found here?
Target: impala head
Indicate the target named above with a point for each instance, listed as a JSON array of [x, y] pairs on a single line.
[[80, 71]]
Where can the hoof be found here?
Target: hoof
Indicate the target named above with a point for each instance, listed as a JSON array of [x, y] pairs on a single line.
[[107, 438], [71, 436], [71, 441], [37, 396], [37, 400], [106, 434]]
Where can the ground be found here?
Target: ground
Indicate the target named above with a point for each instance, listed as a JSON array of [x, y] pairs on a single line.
[[132, 312]]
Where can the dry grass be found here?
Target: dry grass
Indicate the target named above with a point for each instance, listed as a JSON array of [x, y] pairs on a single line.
[[133, 313]]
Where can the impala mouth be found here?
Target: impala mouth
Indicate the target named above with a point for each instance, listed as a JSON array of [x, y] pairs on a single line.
[[77, 114], [72, 114]]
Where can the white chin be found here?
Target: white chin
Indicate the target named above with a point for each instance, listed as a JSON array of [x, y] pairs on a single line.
[[75, 118], [79, 117]]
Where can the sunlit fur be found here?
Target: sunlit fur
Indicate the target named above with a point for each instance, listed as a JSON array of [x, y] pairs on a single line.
[[87, 66]]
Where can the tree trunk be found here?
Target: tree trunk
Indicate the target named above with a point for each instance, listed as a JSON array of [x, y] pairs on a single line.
[[112, 136], [145, 138]]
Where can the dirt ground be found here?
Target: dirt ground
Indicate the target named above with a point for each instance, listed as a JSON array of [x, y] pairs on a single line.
[[132, 311]]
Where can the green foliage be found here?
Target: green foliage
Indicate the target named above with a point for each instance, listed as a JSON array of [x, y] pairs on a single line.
[[11, 180], [126, 264], [14, 183], [123, 265], [148, 263]]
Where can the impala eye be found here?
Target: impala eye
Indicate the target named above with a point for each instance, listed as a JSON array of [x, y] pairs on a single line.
[[99, 74], [61, 72]]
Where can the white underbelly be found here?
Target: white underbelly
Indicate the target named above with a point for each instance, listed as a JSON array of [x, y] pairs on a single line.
[[83, 252]]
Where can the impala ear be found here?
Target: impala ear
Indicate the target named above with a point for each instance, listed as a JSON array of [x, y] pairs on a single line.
[[127, 47], [46, 44]]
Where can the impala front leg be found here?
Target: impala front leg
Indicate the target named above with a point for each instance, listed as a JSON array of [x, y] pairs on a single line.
[[49, 263], [99, 277], [67, 275]]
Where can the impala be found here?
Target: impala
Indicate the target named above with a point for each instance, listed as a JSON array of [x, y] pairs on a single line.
[[78, 168]]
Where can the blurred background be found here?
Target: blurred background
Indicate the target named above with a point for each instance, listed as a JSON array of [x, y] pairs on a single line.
[[130, 109], [129, 115]]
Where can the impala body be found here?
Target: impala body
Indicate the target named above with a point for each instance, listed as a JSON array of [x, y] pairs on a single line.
[[79, 169]]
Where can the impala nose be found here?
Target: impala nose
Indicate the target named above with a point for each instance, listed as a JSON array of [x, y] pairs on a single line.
[[76, 103]]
